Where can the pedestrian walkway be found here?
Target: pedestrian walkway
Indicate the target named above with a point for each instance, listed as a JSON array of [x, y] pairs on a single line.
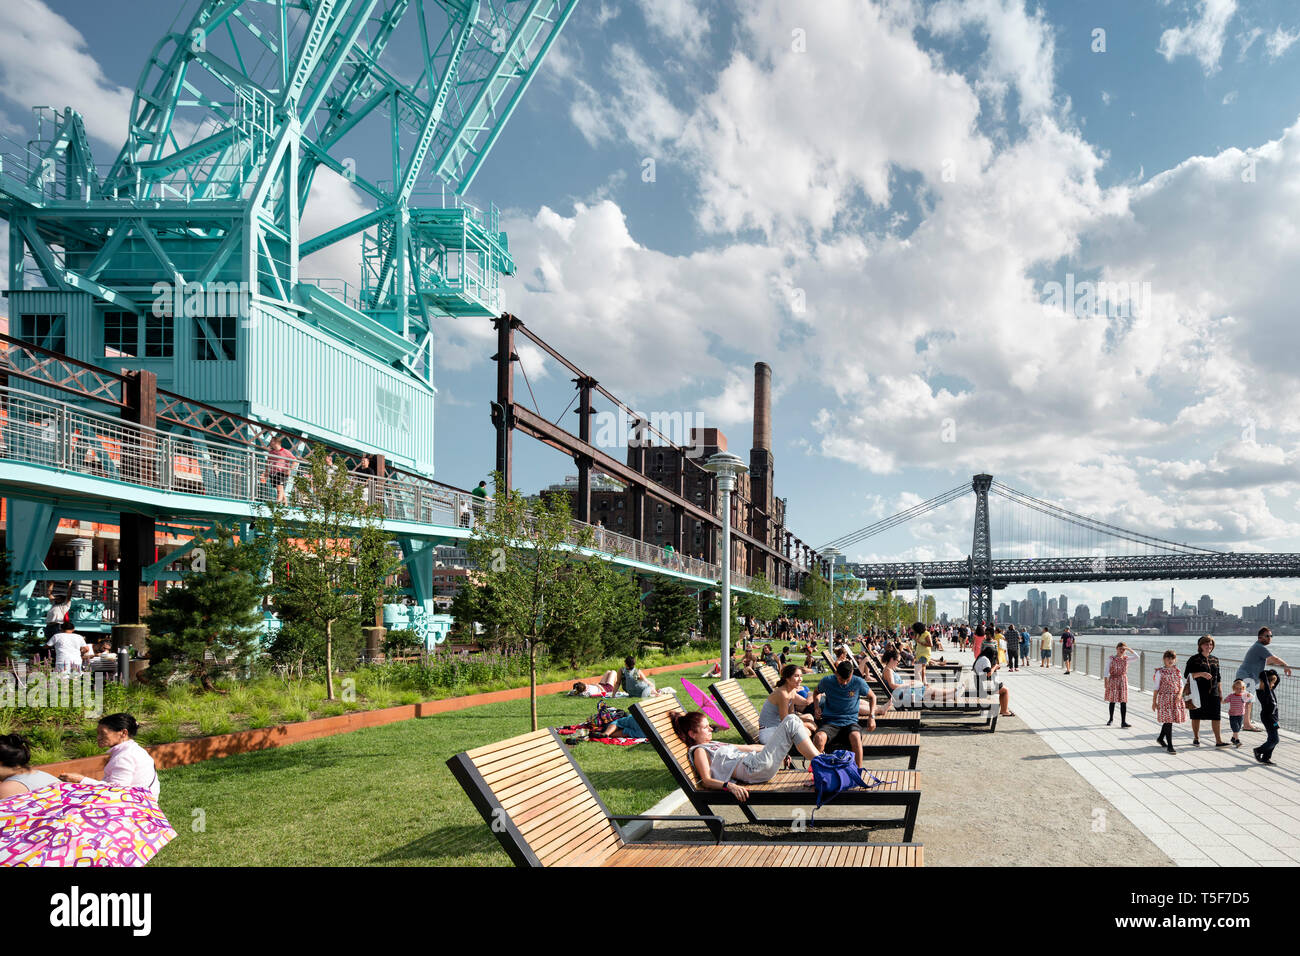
[[1204, 806]]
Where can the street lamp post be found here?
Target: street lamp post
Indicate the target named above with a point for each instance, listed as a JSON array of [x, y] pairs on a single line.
[[726, 466], [831, 554]]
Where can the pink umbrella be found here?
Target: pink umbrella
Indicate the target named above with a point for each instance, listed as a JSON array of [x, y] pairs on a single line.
[[82, 824], [706, 703]]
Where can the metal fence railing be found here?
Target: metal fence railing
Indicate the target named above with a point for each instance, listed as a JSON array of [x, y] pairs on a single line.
[[55, 434], [1091, 660]]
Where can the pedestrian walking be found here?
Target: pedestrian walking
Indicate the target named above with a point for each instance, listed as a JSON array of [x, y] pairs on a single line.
[[1026, 646], [1013, 649], [1117, 683], [1167, 700], [1237, 702], [1256, 659], [1045, 649], [1203, 667], [1067, 650], [1268, 715]]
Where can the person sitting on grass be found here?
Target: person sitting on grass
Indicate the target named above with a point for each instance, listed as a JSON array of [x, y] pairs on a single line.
[[603, 688], [634, 682], [785, 700], [16, 775], [836, 708], [717, 764], [129, 764]]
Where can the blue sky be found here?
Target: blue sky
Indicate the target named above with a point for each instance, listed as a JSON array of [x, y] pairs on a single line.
[[912, 173]]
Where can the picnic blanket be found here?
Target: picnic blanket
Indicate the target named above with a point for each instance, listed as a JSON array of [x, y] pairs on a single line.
[[616, 741]]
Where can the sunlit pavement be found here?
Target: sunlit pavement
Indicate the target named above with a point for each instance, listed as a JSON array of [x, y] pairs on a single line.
[[1204, 806]]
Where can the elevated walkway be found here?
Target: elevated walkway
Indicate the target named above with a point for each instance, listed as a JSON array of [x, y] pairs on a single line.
[[64, 456]]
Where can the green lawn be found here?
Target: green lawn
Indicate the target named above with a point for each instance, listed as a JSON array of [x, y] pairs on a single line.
[[384, 796], [182, 712]]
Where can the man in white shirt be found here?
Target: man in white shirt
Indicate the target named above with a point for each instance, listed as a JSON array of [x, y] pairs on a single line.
[[59, 609], [70, 649]]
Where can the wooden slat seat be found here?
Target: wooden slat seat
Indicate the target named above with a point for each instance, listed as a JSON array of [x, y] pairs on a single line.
[[902, 719], [789, 788], [740, 710], [545, 812]]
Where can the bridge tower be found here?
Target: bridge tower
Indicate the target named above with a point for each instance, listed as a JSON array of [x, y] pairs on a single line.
[[981, 555]]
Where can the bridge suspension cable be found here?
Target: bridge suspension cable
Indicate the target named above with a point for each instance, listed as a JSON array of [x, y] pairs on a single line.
[[916, 511], [1092, 524]]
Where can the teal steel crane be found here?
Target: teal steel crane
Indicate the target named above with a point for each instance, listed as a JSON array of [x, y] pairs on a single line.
[[183, 257]]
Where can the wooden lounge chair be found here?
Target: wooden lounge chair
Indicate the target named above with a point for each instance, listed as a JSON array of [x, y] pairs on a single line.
[[545, 812], [735, 703], [789, 788], [988, 707], [953, 667], [909, 720]]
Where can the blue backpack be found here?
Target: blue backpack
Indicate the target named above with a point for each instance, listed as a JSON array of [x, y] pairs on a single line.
[[836, 771]]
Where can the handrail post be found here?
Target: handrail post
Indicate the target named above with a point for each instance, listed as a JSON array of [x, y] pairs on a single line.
[[1142, 670]]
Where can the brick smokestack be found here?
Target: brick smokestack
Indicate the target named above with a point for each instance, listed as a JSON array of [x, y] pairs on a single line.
[[762, 407]]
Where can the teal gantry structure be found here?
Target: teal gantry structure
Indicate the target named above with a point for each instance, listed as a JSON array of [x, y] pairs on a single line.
[[165, 328]]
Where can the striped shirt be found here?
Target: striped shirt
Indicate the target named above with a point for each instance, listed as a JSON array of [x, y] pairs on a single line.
[[1236, 704]]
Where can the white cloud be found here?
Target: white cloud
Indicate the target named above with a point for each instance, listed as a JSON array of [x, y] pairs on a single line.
[[1202, 37], [683, 24], [1246, 40], [1019, 54], [1229, 98], [44, 62], [1279, 41]]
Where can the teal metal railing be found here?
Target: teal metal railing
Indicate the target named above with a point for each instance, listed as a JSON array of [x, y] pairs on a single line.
[[49, 433]]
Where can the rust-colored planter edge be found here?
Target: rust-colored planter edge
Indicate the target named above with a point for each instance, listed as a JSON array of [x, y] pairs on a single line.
[[184, 752]]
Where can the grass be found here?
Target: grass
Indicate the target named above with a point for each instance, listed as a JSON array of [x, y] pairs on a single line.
[[384, 796], [180, 712]]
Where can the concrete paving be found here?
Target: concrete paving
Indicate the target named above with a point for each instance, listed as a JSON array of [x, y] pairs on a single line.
[[1203, 806]]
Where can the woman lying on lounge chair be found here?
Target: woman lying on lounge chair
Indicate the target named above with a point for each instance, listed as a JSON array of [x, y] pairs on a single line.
[[718, 764], [911, 693]]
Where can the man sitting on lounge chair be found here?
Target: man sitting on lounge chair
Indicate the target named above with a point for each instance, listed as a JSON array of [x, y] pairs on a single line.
[[836, 709]]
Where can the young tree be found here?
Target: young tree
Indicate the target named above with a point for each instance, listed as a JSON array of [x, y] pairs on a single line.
[[214, 612], [761, 604], [713, 621], [532, 584], [816, 602], [672, 610], [333, 563]]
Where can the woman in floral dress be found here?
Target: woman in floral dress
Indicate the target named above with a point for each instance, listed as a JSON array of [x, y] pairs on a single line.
[[1117, 683], [1167, 701]]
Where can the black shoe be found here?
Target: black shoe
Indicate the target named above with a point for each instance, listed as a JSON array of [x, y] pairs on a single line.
[[1256, 752], [1171, 749], [1221, 743], [1265, 760], [1196, 741], [1109, 722], [1125, 726]]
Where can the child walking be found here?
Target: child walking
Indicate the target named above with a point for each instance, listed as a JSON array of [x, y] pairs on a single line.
[[1167, 701], [1268, 714], [1236, 702]]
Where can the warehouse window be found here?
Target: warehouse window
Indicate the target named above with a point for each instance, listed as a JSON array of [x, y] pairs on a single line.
[[43, 329]]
